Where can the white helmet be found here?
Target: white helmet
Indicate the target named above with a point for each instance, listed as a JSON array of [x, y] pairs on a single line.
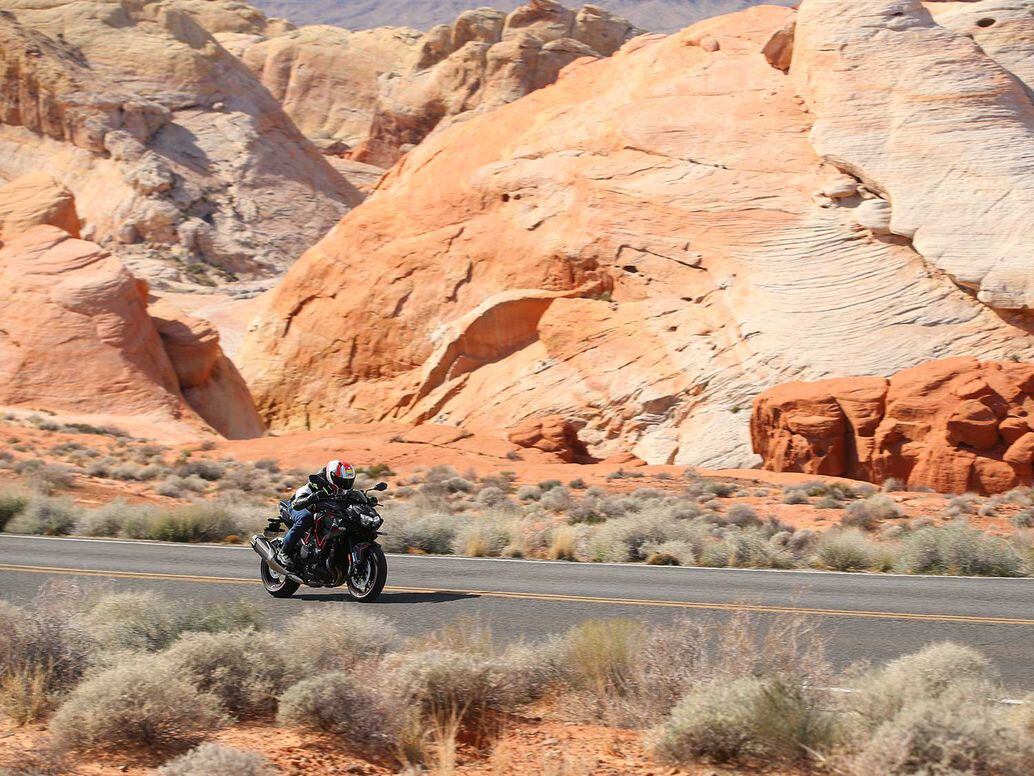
[[340, 475]]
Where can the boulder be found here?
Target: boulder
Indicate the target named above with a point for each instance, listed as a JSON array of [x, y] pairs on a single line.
[[34, 199], [954, 425], [552, 434], [651, 270], [76, 336]]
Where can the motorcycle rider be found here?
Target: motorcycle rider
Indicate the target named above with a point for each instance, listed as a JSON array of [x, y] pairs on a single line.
[[333, 478]]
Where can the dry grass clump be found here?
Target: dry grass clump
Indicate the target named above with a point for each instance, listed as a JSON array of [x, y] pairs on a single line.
[[42, 655], [143, 702], [849, 550], [218, 760]]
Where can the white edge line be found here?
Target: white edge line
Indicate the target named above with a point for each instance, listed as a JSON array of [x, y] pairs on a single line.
[[572, 564]]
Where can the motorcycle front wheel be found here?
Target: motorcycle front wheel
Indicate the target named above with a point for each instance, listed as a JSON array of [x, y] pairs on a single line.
[[366, 582], [276, 584]]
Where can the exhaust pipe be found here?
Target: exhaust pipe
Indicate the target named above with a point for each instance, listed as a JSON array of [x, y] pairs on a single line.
[[261, 545]]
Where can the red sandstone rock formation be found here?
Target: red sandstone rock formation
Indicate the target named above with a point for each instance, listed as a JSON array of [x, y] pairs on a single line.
[[955, 425]]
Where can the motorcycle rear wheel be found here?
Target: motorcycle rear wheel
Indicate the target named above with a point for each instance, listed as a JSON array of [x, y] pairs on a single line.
[[370, 585], [276, 585]]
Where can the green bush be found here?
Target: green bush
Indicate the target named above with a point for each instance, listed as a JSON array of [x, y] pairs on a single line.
[[142, 702], [218, 760]]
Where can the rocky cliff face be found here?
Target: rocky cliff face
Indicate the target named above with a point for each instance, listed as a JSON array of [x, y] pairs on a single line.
[[77, 337], [483, 60], [639, 249], [170, 145], [955, 425]]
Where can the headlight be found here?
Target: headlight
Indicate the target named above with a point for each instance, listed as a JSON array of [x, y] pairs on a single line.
[[372, 522]]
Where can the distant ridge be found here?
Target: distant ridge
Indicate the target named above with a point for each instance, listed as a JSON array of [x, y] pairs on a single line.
[[653, 15]]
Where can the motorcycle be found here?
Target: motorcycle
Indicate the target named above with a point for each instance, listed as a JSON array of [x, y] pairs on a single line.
[[339, 549]]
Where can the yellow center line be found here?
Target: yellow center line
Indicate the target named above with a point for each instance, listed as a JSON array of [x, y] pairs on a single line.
[[723, 607]]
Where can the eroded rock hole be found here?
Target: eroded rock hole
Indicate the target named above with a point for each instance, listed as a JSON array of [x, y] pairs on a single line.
[[986, 22], [631, 268]]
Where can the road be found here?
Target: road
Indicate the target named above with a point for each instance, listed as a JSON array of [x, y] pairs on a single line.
[[872, 617]]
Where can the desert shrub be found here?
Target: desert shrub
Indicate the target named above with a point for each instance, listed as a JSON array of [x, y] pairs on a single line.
[[198, 522], [719, 489], [481, 538], [337, 702], [45, 478], [218, 760], [447, 687], [144, 701], [12, 502], [674, 552], [529, 493], [925, 675], [958, 549], [42, 655], [1022, 519], [111, 519], [892, 485], [960, 506], [327, 640], [848, 550], [955, 733], [491, 496], [45, 516], [774, 717], [556, 499], [134, 472], [205, 469], [795, 496], [858, 515], [742, 515], [577, 484], [245, 670], [145, 621], [829, 502], [433, 534]]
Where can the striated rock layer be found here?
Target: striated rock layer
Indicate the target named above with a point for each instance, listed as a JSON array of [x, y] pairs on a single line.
[[937, 120], [485, 59], [955, 425], [170, 145], [638, 250]]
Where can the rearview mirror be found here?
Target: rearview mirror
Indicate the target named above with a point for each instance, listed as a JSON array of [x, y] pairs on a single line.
[[381, 486]]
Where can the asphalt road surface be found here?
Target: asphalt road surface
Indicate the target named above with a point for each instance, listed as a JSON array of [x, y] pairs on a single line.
[[866, 617]]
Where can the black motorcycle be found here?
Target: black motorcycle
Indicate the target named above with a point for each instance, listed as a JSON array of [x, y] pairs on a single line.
[[340, 549]]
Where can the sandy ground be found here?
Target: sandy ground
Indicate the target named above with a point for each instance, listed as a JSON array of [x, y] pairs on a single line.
[[527, 746]]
